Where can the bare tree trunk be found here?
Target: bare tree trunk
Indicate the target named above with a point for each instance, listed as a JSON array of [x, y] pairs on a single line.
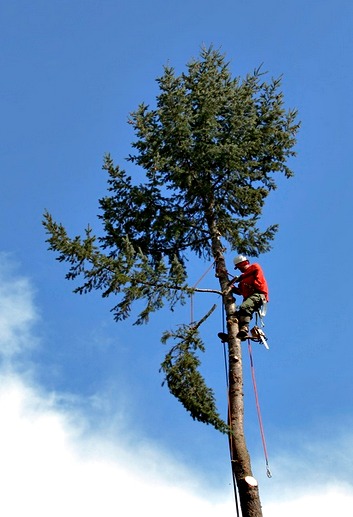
[[241, 466]]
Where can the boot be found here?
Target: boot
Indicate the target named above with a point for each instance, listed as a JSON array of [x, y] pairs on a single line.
[[243, 332]]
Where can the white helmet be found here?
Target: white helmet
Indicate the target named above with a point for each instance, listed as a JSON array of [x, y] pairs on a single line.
[[239, 258]]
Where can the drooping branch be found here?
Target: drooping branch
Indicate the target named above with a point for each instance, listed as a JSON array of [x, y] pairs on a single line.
[[181, 369]]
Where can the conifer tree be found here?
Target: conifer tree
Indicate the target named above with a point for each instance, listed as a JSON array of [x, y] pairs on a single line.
[[209, 151]]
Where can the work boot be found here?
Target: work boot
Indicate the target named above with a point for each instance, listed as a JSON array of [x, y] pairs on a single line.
[[223, 337], [243, 332]]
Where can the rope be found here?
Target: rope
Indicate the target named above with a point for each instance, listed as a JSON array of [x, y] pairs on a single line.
[[262, 432], [192, 295], [235, 488]]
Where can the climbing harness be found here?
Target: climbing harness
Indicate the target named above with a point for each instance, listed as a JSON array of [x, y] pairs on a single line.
[[261, 312]]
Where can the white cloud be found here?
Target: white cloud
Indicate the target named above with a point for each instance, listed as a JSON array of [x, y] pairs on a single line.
[[312, 480], [51, 463], [325, 502], [17, 311], [49, 468]]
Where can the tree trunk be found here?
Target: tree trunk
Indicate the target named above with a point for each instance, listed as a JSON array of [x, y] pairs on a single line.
[[241, 466], [240, 459]]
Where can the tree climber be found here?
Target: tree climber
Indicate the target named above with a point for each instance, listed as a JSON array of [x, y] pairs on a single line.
[[252, 286]]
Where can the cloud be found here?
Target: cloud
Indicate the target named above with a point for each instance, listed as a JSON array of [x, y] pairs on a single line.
[[323, 502], [49, 468], [313, 475], [17, 311], [53, 463]]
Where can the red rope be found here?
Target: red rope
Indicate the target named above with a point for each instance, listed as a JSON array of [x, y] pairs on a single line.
[[258, 409]]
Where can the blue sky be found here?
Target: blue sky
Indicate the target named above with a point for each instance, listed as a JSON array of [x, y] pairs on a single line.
[[80, 395]]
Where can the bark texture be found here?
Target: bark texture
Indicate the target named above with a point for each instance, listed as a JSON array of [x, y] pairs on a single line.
[[241, 466]]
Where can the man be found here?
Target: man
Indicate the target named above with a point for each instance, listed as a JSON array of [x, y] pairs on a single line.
[[252, 286]]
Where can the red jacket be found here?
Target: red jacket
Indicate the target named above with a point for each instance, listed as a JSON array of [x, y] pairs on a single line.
[[253, 281]]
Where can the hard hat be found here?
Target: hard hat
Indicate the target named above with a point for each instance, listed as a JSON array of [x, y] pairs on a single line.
[[239, 258]]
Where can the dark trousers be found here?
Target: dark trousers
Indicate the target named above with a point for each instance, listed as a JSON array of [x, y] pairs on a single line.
[[248, 307]]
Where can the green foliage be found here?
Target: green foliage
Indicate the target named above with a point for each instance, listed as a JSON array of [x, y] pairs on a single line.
[[185, 381], [209, 151], [127, 274]]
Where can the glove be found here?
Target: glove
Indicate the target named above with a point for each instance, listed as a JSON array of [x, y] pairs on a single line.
[[234, 279]]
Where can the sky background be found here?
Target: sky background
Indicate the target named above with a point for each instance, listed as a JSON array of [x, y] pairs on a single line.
[[86, 427]]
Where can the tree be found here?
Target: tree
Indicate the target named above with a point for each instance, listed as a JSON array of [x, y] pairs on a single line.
[[209, 151]]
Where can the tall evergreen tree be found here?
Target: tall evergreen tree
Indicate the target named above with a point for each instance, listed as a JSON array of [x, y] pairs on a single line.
[[209, 151]]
